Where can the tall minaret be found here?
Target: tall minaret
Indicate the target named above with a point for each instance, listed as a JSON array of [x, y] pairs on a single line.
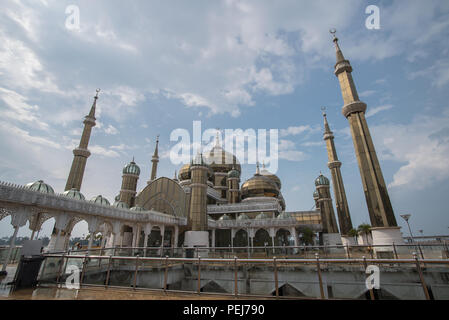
[[329, 234], [82, 153], [334, 165], [197, 221], [130, 178], [377, 199], [198, 197], [155, 161]]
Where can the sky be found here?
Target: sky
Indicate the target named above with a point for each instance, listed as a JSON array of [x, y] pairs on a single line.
[[161, 65]]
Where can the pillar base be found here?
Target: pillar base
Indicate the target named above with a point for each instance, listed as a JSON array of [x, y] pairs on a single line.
[[386, 236], [197, 239], [332, 239], [348, 241]]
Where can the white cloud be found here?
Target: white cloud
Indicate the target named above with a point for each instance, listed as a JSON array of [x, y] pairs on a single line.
[[101, 151], [111, 130], [422, 147], [294, 131], [19, 110], [372, 111]]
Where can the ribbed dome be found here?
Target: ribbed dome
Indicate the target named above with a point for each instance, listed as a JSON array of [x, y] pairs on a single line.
[[137, 209], [121, 205], [242, 217], [234, 173], [224, 217], [316, 194], [100, 200], [321, 181], [131, 168], [261, 216], [184, 172], [74, 194], [264, 172], [40, 186], [284, 215], [259, 186], [221, 161]]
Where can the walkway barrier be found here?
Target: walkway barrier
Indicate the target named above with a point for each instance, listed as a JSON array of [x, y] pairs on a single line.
[[315, 278], [15, 254], [402, 251]]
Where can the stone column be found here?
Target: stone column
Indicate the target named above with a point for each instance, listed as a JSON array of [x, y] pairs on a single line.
[[11, 246], [213, 238]]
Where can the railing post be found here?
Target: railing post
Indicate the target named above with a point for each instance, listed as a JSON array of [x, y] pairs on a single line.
[[276, 283], [106, 282], [421, 277], [371, 292], [84, 268], [165, 273], [347, 251], [135, 272], [42, 273], [319, 275], [395, 251], [60, 271], [235, 277], [199, 274], [420, 251], [447, 249]]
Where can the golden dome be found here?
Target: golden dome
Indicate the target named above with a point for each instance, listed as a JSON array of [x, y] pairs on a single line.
[[184, 172], [259, 186], [264, 172]]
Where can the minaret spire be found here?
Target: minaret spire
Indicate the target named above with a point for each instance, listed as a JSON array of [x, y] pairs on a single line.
[[81, 153], [334, 165], [376, 193], [155, 161]]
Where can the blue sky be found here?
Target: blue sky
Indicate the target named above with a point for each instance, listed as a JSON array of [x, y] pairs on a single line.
[[229, 64]]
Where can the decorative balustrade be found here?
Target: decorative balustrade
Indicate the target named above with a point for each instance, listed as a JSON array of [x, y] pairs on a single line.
[[13, 194]]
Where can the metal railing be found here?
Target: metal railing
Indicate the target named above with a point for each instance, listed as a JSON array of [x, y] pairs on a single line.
[[15, 254], [402, 251], [124, 271]]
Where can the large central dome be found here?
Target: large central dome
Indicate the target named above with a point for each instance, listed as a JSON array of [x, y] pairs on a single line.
[[220, 160]]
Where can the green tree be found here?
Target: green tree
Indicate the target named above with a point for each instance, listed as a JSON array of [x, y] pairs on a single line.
[[307, 236], [353, 233]]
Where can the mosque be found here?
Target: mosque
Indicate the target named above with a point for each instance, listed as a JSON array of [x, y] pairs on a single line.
[[221, 211]]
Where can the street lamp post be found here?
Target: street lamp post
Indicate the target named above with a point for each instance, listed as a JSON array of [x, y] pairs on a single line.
[[406, 217]]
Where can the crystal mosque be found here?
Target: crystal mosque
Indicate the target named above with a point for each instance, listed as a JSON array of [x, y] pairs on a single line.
[[207, 205]]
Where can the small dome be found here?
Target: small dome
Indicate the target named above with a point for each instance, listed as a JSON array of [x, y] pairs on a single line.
[[121, 205], [137, 209], [234, 173], [316, 194], [117, 198], [40, 186], [74, 194], [242, 217], [184, 172], [321, 181], [131, 168], [224, 217], [284, 215], [259, 186], [261, 216], [100, 200]]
